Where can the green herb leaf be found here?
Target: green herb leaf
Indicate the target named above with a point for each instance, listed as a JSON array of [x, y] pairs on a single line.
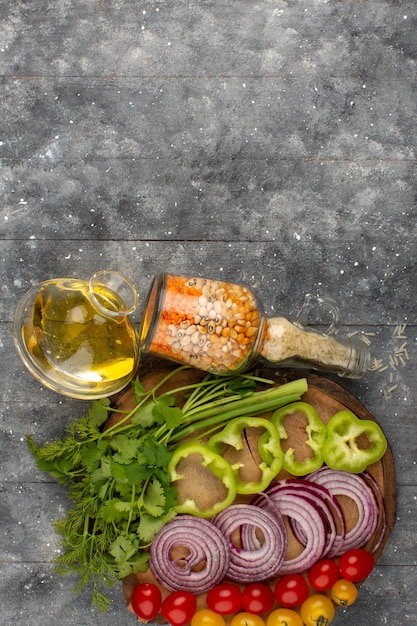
[[115, 510], [241, 385], [91, 454], [98, 412], [126, 448], [149, 526], [105, 466], [154, 499], [118, 471], [123, 548], [138, 563], [155, 453], [143, 416], [139, 390], [166, 412], [136, 473], [59, 469]]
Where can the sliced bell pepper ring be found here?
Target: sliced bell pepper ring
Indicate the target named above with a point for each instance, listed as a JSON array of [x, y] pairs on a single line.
[[342, 449], [316, 435], [217, 465], [268, 446]]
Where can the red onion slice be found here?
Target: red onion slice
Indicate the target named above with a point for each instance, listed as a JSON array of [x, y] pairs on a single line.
[[309, 516], [256, 560], [382, 518], [353, 486], [249, 536], [323, 499], [206, 556]]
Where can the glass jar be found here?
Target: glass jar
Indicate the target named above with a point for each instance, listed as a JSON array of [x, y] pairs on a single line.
[[221, 327], [295, 344], [75, 336], [210, 324]]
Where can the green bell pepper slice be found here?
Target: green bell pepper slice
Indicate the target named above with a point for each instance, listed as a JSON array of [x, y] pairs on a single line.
[[268, 446], [342, 450], [217, 465], [316, 436]]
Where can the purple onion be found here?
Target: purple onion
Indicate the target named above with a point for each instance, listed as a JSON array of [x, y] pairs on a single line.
[[310, 518], [255, 560], [206, 559], [341, 483]]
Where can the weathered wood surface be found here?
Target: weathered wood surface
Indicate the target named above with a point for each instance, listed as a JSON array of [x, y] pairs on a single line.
[[269, 143]]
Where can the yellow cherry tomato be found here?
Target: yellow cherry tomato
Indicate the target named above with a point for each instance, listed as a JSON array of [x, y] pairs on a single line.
[[284, 617], [317, 610], [206, 617], [344, 592], [247, 619]]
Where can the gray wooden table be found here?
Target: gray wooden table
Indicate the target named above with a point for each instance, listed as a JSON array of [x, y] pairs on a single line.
[[265, 142]]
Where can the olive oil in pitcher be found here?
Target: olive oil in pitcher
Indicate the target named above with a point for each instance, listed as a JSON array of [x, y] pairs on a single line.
[[76, 337]]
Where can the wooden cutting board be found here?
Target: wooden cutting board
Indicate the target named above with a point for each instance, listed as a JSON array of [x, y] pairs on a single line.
[[328, 398]]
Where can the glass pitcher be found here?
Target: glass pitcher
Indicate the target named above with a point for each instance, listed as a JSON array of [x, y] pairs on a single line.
[[76, 337]]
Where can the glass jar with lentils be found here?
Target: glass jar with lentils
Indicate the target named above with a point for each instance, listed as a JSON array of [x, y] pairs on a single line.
[[221, 328], [210, 324]]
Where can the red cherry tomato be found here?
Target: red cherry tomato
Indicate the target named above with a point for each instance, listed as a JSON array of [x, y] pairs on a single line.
[[146, 600], [356, 564], [291, 590], [258, 598], [179, 607], [323, 574], [224, 599]]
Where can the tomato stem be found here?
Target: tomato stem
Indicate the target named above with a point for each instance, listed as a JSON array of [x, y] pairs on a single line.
[[342, 602]]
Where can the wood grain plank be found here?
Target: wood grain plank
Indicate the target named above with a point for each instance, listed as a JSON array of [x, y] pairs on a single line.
[[364, 275], [204, 37], [50, 195], [164, 118]]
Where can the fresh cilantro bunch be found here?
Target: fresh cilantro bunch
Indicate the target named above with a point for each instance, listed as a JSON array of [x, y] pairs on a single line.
[[121, 491], [118, 476]]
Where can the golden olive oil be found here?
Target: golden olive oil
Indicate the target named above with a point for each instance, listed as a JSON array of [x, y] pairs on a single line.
[[78, 341]]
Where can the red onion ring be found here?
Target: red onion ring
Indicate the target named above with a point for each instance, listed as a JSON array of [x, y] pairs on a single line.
[[353, 486], [382, 518], [309, 516], [206, 548], [329, 506], [249, 537], [254, 561]]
